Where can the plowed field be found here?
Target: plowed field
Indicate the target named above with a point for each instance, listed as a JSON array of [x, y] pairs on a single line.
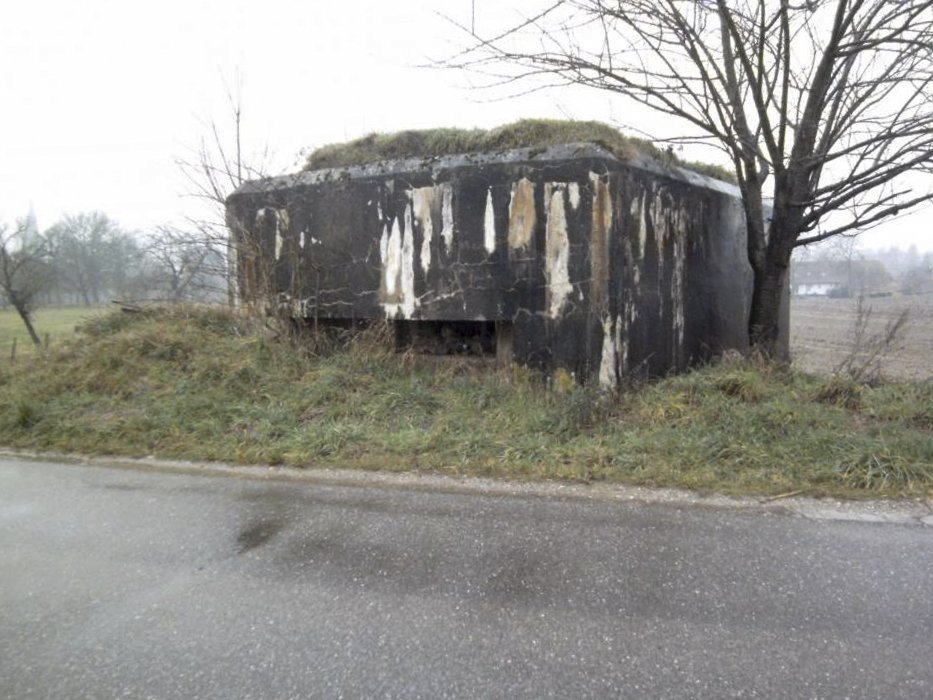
[[823, 330]]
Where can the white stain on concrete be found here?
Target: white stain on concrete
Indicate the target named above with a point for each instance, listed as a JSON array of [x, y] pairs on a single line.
[[280, 217], [557, 250], [397, 254], [574, 190], [522, 217], [301, 239], [621, 348], [639, 213], [489, 226], [407, 303], [447, 215], [390, 251], [608, 373], [422, 202], [397, 251], [658, 216]]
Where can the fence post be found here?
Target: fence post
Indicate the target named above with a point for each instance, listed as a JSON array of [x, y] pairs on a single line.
[[13, 353]]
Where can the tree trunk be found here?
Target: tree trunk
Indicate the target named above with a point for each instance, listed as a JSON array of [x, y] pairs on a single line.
[[27, 319], [764, 323]]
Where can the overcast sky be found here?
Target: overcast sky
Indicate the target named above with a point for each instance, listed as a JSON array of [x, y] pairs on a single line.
[[101, 97]]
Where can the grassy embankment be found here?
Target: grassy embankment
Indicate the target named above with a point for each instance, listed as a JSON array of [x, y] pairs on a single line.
[[180, 383]]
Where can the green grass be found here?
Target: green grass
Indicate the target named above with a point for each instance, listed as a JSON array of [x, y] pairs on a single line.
[[526, 133], [58, 323], [204, 384]]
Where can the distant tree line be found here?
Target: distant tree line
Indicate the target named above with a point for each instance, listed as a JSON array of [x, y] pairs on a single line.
[[87, 260]]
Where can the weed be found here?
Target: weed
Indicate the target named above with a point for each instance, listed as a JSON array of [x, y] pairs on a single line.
[[839, 390], [744, 385], [908, 403], [581, 409], [863, 362], [106, 324], [882, 470], [26, 414]]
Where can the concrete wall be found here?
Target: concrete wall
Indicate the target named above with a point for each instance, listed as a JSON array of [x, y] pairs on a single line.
[[602, 267]]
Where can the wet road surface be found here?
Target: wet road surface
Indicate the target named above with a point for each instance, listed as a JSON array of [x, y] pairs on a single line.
[[118, 583]]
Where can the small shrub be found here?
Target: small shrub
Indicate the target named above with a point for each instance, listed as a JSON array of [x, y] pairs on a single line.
[[214, 319], [660, 407], [111, 323], [746, 386], [838, 390], [911, 403], [561, 415], [582, 409], [26, 414], [867, 352]]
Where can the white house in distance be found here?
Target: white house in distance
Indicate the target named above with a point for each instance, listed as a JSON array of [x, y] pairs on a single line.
[[821, 278]]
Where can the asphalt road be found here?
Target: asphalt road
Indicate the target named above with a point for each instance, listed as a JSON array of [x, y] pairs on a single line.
[[127, 583]]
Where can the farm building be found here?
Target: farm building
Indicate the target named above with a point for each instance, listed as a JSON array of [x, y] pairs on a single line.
[[844, 278], [566, 257]]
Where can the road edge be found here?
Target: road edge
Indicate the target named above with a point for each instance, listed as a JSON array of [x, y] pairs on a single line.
[[903, 512]]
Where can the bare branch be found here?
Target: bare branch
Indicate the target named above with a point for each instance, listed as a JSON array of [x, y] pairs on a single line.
[[831, 96]]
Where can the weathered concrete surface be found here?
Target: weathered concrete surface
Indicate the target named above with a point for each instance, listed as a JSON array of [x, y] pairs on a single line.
[[124, 583], [601, 267]]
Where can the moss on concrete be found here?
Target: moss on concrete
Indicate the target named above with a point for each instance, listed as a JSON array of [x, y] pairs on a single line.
[[526, 133]]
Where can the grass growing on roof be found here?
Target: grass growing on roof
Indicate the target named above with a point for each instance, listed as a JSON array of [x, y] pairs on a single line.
[[206, 384], [526, 133]]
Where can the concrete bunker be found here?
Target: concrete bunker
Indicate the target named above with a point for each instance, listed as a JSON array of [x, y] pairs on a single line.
[[565, 257]]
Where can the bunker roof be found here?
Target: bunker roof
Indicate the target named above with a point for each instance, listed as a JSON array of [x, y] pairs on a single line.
[[536, 135], [407, 166], [437, 150]]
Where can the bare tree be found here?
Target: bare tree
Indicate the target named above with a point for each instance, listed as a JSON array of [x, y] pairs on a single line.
[[185, 266], [217, 167], [81, 247], [24, 271], [822, 104]]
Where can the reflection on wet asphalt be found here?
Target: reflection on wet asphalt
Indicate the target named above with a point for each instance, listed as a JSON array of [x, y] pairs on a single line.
[[123, 583]]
